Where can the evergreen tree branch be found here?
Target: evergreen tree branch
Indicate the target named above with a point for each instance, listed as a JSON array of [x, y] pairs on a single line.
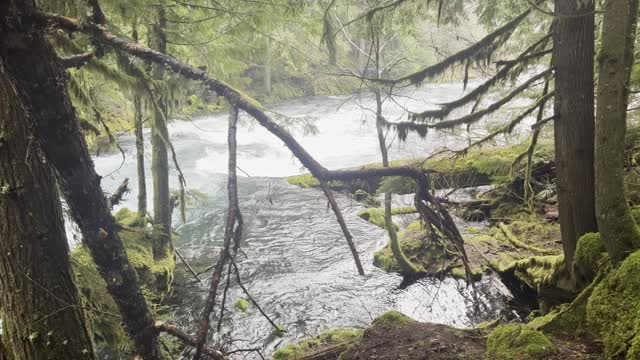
[[482, 50], [404, 127]]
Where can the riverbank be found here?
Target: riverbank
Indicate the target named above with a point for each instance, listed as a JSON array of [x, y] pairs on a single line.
[[575, 316]]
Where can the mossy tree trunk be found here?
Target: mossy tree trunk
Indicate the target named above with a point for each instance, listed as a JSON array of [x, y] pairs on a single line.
[[267, 66], [616, 225], [42, 87], [137, 118], [159, 154], [396, 249], [42, 313], [573, 53]]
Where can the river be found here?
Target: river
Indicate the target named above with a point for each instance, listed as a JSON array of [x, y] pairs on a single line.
[[295, 261]]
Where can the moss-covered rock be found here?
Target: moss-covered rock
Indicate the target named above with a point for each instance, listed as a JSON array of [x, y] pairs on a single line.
[[241, 304], [376, 215], [329, 338], [515, 341], [432, 257], [392, 319], [589, 253], [613, 310]]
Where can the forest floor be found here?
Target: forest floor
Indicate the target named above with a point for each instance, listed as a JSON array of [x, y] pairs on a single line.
[[420, 341]]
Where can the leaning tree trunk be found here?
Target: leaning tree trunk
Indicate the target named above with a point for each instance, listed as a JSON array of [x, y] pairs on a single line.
[[41, 83], [615, 60], [159, 155], [573, 51], [42, 314]]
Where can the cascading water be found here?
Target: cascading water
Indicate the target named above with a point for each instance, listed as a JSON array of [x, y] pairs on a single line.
[[295, 261]]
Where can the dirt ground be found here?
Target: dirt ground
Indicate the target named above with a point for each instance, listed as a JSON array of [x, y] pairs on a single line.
[[422, 341]]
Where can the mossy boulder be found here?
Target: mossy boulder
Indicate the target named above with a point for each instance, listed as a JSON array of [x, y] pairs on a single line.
[[392, 319], [241, 304], [326, 339], [516, 341], [430, 256], [613, 310], [587, 258]]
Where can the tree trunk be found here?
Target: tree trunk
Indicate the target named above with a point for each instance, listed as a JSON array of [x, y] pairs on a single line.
[[137, 106], [159, 155], [573, 51], [396, 249], [267, 68], [41, 84], [616, 225], [42, 313], [142, 184]]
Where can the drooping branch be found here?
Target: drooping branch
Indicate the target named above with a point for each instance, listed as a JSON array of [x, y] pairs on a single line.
[[482, 50], [404, 127], [476, 93], [76, 61], [508, 128], [343, 225]]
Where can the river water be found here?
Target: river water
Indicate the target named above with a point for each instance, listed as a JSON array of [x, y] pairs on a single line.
[[295, 261]]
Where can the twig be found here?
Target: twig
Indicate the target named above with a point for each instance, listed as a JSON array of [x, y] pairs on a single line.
[[237, 271], [187, 339], [188, 266]]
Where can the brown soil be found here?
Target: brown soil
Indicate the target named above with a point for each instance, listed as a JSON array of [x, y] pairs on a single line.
[[422, 341]]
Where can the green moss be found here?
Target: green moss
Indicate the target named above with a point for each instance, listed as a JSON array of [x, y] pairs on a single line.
[[589, 252], [130, 218], [412, 247], [567, 320], [304, 181], [539, 271], [241, 304], [515, 341], [392, 319], [376, 215], [153, 276], [329, 338], [613, 310], [635, 213], [309, 181], [459, 273]]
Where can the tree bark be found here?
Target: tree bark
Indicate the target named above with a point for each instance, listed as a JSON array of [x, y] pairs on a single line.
[[616, 225], [137, 115], [142, 183], [573, 52], [267, 67], [42, 313], [41, 84], [159, 155]]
